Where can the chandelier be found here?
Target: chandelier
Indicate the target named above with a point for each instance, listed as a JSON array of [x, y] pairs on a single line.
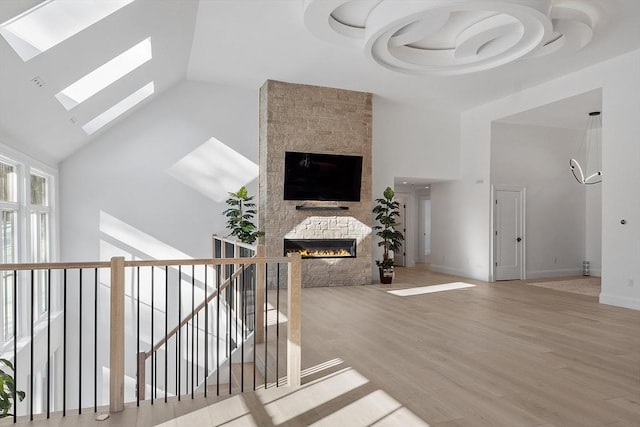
[[588, 154]]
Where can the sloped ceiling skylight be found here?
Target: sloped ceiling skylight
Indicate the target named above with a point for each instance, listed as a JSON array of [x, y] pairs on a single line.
[[104, 75], [54, 21], [120, 108]]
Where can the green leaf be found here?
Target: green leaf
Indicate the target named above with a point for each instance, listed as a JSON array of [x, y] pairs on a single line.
[[242, 193], [386, 211], [240, 216], [7, 389]]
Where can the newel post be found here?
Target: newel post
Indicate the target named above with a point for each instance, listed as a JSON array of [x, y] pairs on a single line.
[[294, 325], [259, 299], [116, 340]]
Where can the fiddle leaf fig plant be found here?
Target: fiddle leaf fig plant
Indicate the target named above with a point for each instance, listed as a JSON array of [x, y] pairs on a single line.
[[387, 210], [7, 389], [240, 216]]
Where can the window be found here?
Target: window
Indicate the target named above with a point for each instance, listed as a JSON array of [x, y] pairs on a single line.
[[105, 75], [119, 108], [53, 21], [8, 239], [40, 246], [27, 211]]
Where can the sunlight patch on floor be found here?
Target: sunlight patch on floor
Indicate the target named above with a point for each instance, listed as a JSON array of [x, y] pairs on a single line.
[[309, 396], [321, 366], [431, 289], [274, 316], [232, 412], [344, 397], [375, 408]]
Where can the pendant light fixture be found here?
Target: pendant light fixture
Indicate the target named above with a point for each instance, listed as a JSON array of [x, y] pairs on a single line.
[[588, 154]]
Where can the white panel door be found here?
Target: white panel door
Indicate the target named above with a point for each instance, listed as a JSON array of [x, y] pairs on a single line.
[[425, 228], [508, 229]]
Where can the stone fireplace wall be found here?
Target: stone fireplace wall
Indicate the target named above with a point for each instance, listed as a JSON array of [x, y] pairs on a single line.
[[314, 119]]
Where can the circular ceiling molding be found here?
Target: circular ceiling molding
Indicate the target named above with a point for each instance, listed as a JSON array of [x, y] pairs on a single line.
[[447, 37]]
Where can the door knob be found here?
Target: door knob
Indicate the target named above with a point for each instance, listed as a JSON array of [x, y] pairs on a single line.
[[518, 239]]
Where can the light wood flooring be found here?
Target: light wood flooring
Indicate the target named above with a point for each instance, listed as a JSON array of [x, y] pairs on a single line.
[[499, 354]]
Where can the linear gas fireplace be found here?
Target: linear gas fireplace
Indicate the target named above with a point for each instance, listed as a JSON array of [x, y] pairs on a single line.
[[321, 248]]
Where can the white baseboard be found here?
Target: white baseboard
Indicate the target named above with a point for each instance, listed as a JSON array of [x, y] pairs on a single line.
[[445, 270], [543, 274], [618, 301]]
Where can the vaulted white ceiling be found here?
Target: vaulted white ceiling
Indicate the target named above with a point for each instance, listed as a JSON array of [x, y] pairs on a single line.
[[33, 118], [243, 43]]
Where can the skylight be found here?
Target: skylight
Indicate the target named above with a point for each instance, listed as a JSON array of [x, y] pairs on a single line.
[[120, 108], [104, 75], [54, 21]]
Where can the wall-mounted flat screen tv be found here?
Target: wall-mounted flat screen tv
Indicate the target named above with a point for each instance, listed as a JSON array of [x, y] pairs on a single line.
[[330, 177]]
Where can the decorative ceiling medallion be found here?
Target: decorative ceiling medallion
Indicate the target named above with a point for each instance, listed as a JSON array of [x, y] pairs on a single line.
[[451, 37]]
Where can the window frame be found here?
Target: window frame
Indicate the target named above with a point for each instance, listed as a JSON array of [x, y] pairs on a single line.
[[38, 210], [25, 166], [11, 206]]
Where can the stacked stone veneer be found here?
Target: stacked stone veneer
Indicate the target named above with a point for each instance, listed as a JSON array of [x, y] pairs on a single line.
[[315, 119]]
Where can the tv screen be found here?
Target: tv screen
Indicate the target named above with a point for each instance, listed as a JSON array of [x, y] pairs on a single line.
[[330, 177]]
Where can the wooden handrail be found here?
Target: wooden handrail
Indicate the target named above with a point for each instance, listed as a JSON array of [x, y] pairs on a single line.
[[54, 265], [117, 284], [206, 261], [195, 311], [234, 242], [138, 263]]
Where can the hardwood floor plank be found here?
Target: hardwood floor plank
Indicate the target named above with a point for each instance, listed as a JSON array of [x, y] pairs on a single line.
[[496, 354]]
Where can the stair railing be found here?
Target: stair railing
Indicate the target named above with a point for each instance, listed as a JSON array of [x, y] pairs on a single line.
[[74, 335], [145, 355], [217, 326]]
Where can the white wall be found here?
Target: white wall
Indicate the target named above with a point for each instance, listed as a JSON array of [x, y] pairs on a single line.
[[120, 190], [467, 200], [412, 141], [536, 158], [593, 250], [174, 219], [460, 209], [620, 160], [122, 195]]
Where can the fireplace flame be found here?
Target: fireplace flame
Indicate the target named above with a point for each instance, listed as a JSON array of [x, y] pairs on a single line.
[[306, 253]]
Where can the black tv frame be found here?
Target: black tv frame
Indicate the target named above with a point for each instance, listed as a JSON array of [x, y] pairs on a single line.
[[322, 177]]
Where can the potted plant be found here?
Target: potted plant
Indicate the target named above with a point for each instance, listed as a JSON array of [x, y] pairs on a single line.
[[240, 216], [7, 389], [387, 210]]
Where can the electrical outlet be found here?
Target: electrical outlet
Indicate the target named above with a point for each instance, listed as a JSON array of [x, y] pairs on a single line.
[[555, 260], [631, 283]]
